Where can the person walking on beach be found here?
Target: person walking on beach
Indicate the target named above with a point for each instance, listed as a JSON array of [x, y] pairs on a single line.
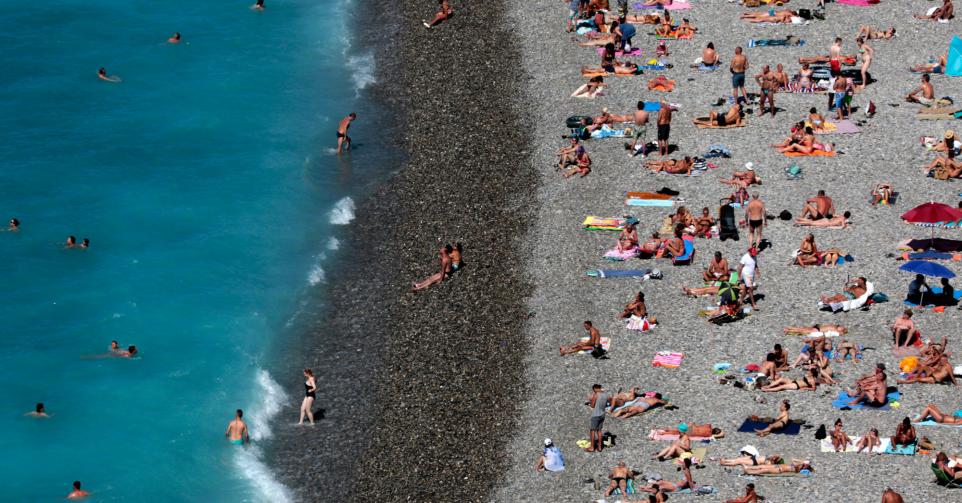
[[641, 131], [343, 140], [310, 389], [77, 492], [237, 432], [598, 401], [664, 127], [747, 275], [737, 68], [755, 217]]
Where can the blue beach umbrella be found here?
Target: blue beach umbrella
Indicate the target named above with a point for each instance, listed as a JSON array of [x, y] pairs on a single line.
[[926, 268]]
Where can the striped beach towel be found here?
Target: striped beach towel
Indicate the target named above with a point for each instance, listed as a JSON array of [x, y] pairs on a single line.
[[667, 359]]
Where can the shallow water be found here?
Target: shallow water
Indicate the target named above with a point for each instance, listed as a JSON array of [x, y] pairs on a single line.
[[206, 183]]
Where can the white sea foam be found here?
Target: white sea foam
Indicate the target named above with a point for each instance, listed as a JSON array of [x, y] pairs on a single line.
[[250, 461], [316, 275], [362, 70], [333, 243], [343, 212]]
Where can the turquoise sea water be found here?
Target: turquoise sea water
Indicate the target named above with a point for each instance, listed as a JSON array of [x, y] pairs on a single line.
[[206, 184]]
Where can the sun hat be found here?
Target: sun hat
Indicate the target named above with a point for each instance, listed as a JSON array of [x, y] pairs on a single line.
[[750, 450], [750, 166], [548, 442], [950, 134]]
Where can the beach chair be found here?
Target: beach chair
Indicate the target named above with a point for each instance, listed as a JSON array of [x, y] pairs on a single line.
[[685, 259], [944, 480]]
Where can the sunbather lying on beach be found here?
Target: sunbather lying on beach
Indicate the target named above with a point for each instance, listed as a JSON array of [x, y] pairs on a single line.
[[869, 32], [932, 412], [594, 340], [853, 289], [924, 94], [780, 422], [905, 432], [780, 16], [807, 145], [714, 286], [847, 349], [640, 406], [672, 166], [940, 372], [840, 441], [944, 167], [619, 476], [796, 466], [636, 18], [619, 399], [869, 441], [618, 68], [731, 118], [843, 59], [836, 222], [937, 67], [819, 329], [941, 14], [807, 383], [654, 245], [594, 84], [749, 456], [667, 486]]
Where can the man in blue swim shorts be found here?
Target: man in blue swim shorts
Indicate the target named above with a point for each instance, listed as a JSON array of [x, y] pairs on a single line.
[[738, 66], [237, 430]]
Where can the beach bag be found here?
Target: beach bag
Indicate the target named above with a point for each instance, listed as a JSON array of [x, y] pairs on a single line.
[[705, 490], [805, 13], [909, 364], [752, 3], [794, 172], [598, 351], [820, 433]]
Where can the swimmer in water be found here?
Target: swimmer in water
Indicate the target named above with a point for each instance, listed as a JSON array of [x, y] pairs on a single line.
[[258, 6], [130, 352], [77, 492], [14, 225], [39, 411], [343, 140], [85, 243], [237, 430], [102, 75], [71, 242], [175, 39]]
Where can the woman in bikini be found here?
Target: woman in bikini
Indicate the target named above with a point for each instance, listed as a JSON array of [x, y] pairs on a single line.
[[869, 441], [840, 441], [867, 52], [806, 145], [665, 29], [704, 223], [796, 466], [667, 486], [628, 238], [780, 422], [932, 412], [870, 33], [807, 383], [815, 120], [310, 393], [808, 252]]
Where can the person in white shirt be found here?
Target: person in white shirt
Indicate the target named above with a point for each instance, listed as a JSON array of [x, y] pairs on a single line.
[[748, 275], [551, 460]]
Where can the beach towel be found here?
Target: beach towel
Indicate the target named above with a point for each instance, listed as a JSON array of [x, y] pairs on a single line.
[[698, 455], [858, 3], [602, 73], [605, 344], [588, 96], [654, 67], [657, 203], [621, 255], [593, 223], [901, 450], [825, 445], [938, 244], [633, 52], [661, 85], [674, 36], [843, 399], [935, 291], [775, 42], [663, 437], [607, 131], [750, 426], [929, 422], [616, 273], [667, 359], [815, 153], [954, 60], [727, 126], [842, 127], [638, 324], [673, 6]]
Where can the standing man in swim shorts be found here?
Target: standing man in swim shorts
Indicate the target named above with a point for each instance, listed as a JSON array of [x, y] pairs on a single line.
[[738, 67], [769, 84], [343, 140], [237, 430], [573, 9], [641, 130], [664, 127], [598, 401], [755, 216], [835, 66]]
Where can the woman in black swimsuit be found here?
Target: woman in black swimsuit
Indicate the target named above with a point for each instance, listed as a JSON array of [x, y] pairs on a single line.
[[809, 383], [307, 406]]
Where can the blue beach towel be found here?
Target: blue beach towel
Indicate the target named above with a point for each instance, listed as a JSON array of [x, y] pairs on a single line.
[[618, 273], [750, 426], [954, 66], [661, 203], [929, 422], [843, 399], [904, 450], [935, 291]]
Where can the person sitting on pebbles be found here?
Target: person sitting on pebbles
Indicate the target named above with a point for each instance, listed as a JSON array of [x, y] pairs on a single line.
[[780, 422], [743, 179], [594, 340], [731, 118], [677, 447]]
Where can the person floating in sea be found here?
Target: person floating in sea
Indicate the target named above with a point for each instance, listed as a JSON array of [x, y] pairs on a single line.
[[102, 75], [237, 430], [310, 389], [38, 411], [174, 39], [84, 244], [259, 5], [343, 140], [444, 13], [119, 352], [71, 242], [14, 225], [77, 492]]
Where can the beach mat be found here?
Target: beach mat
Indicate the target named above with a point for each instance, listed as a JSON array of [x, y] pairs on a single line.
[[665, 437], [728, 126], [749, 426], [844, 127], [657, 203], [929, 422], [617, 273], [667, 359], [954, 66], [843, 399], [817, 153]]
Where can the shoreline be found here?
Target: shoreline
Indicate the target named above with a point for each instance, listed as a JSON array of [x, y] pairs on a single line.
[[421, 388]]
